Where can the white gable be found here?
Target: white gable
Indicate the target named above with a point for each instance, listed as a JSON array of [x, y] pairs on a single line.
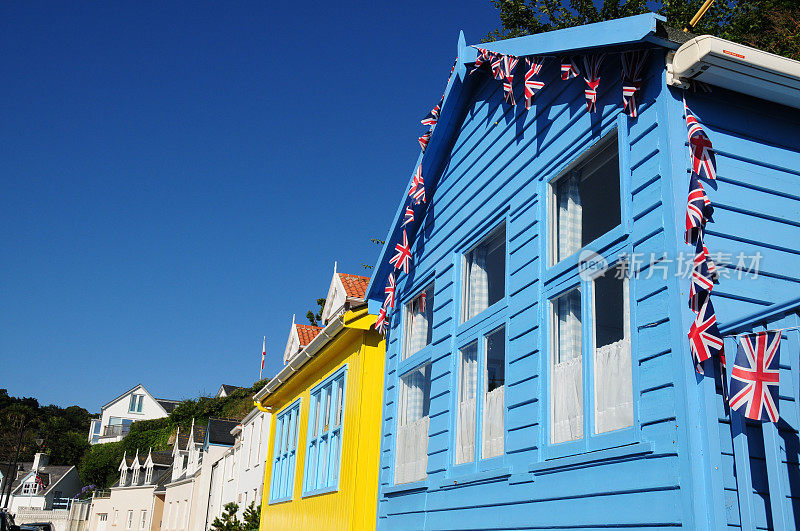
[[292, 344], [336, 299]]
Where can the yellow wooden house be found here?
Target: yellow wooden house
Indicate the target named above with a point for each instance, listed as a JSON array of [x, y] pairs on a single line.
[[322, 462]]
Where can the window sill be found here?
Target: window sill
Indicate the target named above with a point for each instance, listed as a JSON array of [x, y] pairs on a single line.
[[406, 487], [279, 500], [326, 490], [575, 461], [476, 477]]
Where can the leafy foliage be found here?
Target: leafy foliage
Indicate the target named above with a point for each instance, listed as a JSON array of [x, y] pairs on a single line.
[[767, 24], [315, 318], [63, 431], [229, 521]]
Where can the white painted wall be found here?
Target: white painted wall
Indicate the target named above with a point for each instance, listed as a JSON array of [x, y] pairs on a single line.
[[122, 500], [120, 408]]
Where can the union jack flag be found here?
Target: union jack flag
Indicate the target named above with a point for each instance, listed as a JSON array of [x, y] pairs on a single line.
[[402, 256], [417, 190], [497, 66], [591, 66], [698, 209], [704, 163], [483, 57], [755, 376], [532, 86], [632, 66], [433, 116], [509, 64], [390, 291], [702, 277], [424, 139], [569, 69], [704, 337], [381, 321], [409, 216]]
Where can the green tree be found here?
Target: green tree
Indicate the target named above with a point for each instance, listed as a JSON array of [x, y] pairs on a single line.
[[228, 521], [252, 517], [316, 318], [767, 24]]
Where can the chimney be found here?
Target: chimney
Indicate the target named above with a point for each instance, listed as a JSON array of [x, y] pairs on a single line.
[[40, 460]]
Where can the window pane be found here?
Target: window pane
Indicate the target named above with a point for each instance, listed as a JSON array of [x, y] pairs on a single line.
[[419, 322], [586, 200], [496, 359], [339, 391], [411, 458], [326, 397], [314, 415], [485, 274], [567, 369], [613, 383], [468, 386]]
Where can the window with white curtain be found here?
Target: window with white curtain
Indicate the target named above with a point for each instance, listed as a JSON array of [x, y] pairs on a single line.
[[419, 322], [566, 384], [413, 421], [613, 389], [494, 389], [585, 199], [484, 274], [467, 394], [481, 387]]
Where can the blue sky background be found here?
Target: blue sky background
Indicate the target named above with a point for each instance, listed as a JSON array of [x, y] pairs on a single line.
[[177, 180]]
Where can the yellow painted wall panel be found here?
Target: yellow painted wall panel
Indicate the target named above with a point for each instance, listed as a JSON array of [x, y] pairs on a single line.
[[354, 504]]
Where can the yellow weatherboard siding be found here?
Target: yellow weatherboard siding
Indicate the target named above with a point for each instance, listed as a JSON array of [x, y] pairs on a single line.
[[354, 504]]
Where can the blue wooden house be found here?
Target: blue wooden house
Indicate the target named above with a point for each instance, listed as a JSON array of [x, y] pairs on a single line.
[[538, 372]]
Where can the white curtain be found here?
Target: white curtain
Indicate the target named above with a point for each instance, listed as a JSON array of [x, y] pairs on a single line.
[[478, 285], [567, 385], [493, 429], [416, 389], [420, 311], [412, 451], [613, 387], [570, 215], [465, 438]]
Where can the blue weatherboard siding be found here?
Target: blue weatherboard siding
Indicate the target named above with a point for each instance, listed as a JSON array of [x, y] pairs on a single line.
[[675, 467]]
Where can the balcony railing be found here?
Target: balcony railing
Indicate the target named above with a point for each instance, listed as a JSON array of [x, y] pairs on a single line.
[[101, 494], [115, 430]]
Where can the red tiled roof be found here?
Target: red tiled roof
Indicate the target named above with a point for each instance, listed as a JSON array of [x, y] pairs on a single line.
[[354, 285], [306, 333]]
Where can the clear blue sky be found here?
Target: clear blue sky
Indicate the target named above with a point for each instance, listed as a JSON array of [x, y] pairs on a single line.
[[177, 180]]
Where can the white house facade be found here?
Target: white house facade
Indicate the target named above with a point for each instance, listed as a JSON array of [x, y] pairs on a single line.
[[118, 414], [40, 485], [238, 475]]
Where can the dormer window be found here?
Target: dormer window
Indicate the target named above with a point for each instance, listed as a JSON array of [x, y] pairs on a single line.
[[148, 475], [185, 461], [135, 476], [30, 488], [123, 477]]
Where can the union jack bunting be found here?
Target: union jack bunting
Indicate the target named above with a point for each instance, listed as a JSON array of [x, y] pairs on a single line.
[[532, 86], [402, 256], [498, 72], [424, 139], [755, 376], [509, 64], [704, 163], [702, 277], [380, 322], [632, 67], [409, 216], [433, 116], [389, 291], [698, 209], [483, 57], [591, 69], [569, 69], [704, 337], [417, 190]]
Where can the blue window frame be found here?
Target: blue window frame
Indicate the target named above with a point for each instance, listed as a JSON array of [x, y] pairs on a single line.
[[324, 448], [285, 453]]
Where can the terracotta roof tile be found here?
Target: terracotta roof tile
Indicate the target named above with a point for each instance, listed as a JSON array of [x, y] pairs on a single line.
[[354, 285], [306, 333]]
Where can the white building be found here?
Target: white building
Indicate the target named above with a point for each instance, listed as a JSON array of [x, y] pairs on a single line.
[[186, 497], [132, 504], [118, 415], [238, 475], [40, 485]]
